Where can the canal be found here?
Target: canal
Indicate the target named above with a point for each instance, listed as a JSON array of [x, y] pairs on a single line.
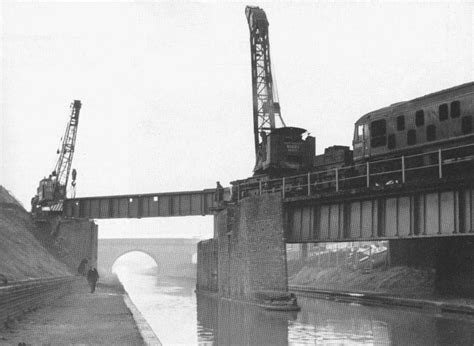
[[179, 316]]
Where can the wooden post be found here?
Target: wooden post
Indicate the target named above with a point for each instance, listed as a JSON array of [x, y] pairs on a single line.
[[309, 184], [337, 180], [440, 164], [260, 187], [283, 188], [371, 258], [368, 174], [403, 169]]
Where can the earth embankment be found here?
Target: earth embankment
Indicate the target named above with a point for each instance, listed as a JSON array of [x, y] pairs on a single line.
[[22, 256], [402, 281]]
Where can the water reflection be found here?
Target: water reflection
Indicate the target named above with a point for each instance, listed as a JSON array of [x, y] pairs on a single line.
[[178, 316], [237, 323], [327, 322]]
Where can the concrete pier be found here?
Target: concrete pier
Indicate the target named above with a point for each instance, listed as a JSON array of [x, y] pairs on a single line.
[[249, 255]]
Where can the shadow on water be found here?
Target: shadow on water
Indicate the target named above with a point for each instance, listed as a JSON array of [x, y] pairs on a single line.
[[227, 323]]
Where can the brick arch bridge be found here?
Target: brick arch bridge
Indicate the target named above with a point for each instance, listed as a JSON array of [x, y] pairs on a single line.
[[173, 256]]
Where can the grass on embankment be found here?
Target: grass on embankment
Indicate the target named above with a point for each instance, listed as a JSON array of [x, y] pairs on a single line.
[[403, 281], [21, 255]]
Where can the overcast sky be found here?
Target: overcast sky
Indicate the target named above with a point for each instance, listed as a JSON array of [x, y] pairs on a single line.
[[166, 88]]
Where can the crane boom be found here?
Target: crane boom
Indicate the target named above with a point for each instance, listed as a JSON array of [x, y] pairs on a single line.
[[265, 106], [278, 151], [63, 166]]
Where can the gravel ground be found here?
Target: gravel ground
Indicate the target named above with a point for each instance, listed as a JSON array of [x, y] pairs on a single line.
[[78, 318]]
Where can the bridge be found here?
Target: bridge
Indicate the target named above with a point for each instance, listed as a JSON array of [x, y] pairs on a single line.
[[161, 204], [173, 256], [422, 195], [423, 204], [419, 196]]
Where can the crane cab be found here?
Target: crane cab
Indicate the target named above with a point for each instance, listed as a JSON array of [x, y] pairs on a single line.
[[50, 190], [283, 151]]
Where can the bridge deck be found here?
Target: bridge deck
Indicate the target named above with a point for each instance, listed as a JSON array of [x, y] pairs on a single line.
[[401, 211], [421, 195], [185, 203]]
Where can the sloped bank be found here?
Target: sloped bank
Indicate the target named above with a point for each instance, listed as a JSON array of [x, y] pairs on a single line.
[[22, 256], [37, 265], [396, 286], [400, 281]]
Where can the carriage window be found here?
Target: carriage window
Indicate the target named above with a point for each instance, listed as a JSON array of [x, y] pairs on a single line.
[[443, 112], [455, 109], [419, 118], [466, 124], [411, 137], [401, 123], [360, 132], [431, 133], [391, 141], [378, 130]]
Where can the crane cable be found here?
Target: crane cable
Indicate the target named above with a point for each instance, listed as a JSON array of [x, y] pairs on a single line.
[[276, 97]]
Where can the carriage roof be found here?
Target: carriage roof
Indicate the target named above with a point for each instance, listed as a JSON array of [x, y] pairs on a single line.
[[414, 104]]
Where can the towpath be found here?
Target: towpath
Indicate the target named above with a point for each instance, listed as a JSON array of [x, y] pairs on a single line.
[[78, 318]]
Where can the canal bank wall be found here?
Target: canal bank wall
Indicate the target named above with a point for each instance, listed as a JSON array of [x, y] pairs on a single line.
[[435, 305], [69, 240], [20, 297]]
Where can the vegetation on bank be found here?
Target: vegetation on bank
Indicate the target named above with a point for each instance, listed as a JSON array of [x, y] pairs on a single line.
[[404, 281]]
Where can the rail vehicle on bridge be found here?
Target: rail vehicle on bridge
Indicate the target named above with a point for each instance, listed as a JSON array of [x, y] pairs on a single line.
[[421, 140], [428, 137], [404, 139], [439, 120]]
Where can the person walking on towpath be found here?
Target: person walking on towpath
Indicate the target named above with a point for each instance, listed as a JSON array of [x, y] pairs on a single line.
[[92, 277]]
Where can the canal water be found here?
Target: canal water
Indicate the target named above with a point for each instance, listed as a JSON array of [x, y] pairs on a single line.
[[179, 316]]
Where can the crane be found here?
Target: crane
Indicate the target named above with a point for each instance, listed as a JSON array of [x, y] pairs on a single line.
[[52, 190], [278, 151], [265, 104]]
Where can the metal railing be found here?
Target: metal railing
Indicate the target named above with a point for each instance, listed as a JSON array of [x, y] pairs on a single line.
[[432, 165], [22, 296]]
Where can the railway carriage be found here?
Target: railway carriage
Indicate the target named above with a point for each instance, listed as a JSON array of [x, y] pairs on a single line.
[[428, 137], [441, 120]]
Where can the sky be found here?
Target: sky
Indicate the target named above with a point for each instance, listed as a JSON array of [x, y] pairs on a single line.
[[166, 87]]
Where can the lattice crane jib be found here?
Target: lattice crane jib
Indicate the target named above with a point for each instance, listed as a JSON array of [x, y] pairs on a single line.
[[265, 106], [63, 165], [52, 190]]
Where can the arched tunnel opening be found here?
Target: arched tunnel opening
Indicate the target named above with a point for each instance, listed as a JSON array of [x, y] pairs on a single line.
[[134, 262]]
